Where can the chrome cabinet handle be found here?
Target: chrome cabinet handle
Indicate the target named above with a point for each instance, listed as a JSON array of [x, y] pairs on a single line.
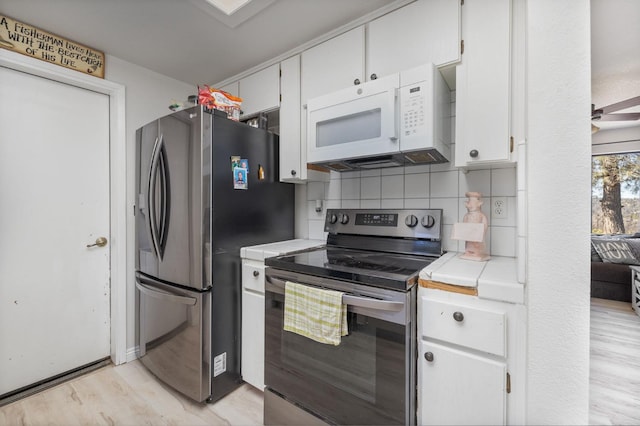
[[374, 76], [458, 316], [356, 81], [473, 153], [428, 356], [256, 273]]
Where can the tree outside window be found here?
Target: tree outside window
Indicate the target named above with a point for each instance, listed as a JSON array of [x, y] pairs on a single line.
[[615, 194]]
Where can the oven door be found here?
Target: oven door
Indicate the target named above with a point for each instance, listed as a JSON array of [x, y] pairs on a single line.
[[368, 379]]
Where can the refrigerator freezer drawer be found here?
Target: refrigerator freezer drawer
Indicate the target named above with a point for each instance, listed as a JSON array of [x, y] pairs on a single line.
[[174, 336]]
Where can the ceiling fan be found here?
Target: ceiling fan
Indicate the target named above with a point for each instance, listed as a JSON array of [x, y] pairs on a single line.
[[608, 113]]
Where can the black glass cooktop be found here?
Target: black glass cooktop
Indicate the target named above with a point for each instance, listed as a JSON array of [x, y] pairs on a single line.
[[388, 270]]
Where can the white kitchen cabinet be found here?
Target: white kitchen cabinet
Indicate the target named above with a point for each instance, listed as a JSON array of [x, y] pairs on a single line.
[[231, 88], [293, 155], [260, 91], [253, 322], [335, 64], [419, 33], [471, 353], [483, 85], [459, 387]]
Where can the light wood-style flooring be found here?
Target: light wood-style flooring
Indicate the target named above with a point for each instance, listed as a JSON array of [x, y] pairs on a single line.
[[614, 383], [129, 395]]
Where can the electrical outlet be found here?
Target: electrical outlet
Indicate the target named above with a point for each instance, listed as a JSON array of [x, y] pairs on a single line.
[[498, 207]]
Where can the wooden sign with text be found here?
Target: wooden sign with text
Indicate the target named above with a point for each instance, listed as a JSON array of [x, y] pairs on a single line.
[[31, 41]]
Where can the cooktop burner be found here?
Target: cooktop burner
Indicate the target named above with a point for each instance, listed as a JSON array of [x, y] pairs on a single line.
[[388, 270]]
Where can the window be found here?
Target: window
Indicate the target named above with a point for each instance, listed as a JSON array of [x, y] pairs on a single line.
[[615, 193]]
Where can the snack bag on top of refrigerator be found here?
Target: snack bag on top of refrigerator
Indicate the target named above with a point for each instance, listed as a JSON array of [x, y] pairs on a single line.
[[212, 98]]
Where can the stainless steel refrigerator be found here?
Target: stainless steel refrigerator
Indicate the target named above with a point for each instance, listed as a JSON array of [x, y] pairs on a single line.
[[206, 186]]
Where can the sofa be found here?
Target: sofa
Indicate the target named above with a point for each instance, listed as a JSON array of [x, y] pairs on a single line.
[[611, 257]]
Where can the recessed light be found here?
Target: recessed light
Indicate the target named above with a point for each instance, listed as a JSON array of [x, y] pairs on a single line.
[[232, 12], [228, 6]]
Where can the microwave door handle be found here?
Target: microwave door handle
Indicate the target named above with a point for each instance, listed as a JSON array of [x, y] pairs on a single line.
[[396, 115], [348, 299]]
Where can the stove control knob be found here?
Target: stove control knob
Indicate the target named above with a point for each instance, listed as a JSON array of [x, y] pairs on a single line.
[[344, 219], [333, 218], [428, 221], [411, 221]]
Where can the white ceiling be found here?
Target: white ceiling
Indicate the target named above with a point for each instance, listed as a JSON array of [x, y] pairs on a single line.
[[178, 39], [615, 55]]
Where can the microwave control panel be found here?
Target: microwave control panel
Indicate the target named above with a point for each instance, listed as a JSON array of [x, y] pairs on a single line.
[[412, 110]]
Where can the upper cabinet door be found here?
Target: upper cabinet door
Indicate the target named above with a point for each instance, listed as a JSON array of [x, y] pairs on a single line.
[[332, 65], [260, 91], [231, 88], [483, 83], [419, 33]]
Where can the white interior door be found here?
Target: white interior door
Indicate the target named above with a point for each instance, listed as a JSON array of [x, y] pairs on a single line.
[[54, 201]]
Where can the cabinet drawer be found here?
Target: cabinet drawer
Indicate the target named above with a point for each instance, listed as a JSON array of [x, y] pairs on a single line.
[[253, 277], [474, 327]]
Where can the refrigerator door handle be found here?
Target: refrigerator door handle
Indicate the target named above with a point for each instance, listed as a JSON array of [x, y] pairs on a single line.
[[158, 230], [165, 296]]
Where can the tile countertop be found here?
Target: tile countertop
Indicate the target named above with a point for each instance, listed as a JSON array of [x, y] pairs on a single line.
[[262, 251], [494, 279]]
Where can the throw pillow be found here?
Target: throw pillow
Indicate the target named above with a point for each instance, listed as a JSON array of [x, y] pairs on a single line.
[[595, 257], [634, 245], [614, 251]]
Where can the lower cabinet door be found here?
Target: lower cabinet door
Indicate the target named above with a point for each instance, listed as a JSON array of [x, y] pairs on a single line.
[[457, 387], [253, 339]]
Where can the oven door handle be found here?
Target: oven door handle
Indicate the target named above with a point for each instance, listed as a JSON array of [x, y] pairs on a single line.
[[348, 299]]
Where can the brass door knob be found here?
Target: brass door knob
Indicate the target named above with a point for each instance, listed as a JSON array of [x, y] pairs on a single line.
[[100, 242]]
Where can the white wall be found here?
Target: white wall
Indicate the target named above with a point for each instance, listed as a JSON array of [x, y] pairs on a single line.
[[148, 96], [558, 211]]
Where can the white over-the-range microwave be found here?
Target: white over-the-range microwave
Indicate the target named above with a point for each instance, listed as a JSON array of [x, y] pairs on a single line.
[[400, 119]]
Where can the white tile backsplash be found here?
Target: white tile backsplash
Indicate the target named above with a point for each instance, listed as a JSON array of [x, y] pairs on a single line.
[[416, 185], [392, 171], [397, 203], [503, 182], [350, 189], [370, 204], [316, 230], [436, 186], [333, 189], [444, 184], [315, 191], [475, 181], [503, 241], [370, 188], [449, 206], [417, 203], [392, 186], [350, 204]]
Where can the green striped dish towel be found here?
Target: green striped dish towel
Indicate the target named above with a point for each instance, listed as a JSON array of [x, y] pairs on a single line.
[[315, 313]]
